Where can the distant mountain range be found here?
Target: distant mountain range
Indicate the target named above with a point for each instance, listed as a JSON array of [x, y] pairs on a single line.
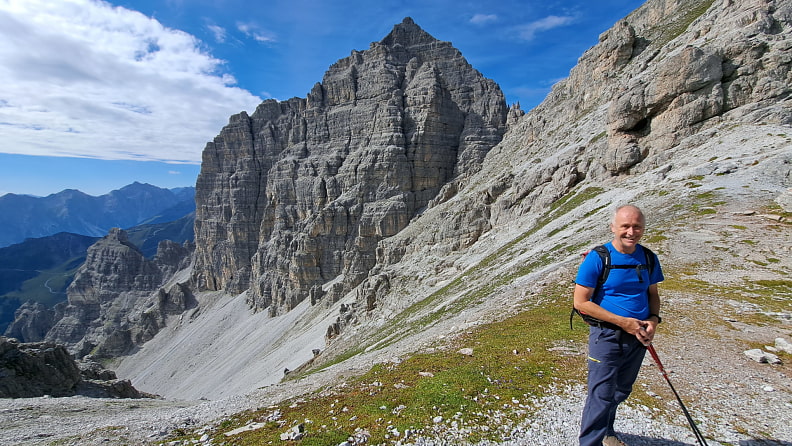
[[72, 211], [40, 268]]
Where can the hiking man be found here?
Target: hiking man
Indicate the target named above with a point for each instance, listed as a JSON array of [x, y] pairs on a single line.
[[623, 312]]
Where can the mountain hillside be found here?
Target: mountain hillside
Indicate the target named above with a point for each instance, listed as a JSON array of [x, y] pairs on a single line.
[[38, 270], [331, 243], [683, 110], [23, 216], [35, 274]]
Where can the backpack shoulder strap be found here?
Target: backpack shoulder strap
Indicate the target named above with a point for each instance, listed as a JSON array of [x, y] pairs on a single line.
[[604, 254], [650, 259]]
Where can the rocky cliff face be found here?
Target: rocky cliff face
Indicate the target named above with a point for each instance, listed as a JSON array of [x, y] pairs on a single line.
[[37, 369], [666, 80], [293, 199], [118, 299]]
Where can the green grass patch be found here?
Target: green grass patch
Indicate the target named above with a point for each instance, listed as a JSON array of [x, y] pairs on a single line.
[[598, 137], [681, 21], [771, 295], [513, 360], [656, 236], [335, 360]]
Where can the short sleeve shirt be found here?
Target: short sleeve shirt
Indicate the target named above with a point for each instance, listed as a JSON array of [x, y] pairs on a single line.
[[625, 292]]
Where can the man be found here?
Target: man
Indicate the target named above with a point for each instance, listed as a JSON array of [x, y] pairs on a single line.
[[623, 313]]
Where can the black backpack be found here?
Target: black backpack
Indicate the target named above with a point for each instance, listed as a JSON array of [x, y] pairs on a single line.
[[606, 267]]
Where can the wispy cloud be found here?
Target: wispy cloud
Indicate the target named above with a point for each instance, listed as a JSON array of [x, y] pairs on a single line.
[[219, 32], [482, 19], [529, 31], [255, 32], [82, 78]]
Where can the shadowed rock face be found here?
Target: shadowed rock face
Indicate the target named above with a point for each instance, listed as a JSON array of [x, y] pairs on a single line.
[[119, 299], [300, 192], [42, 368]]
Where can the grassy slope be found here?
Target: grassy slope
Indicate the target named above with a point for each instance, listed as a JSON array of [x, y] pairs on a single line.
[[514, 360]]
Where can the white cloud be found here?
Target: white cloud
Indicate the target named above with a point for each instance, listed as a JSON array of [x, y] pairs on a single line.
[[254, 31], [482, 19], [83, 78], [528, 32], [219, 32]]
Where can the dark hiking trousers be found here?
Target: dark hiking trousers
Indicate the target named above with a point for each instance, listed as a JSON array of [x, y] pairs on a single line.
[[614, 360]]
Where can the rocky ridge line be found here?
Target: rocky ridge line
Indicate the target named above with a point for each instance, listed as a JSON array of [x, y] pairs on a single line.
[[118, 300], [298, 194]]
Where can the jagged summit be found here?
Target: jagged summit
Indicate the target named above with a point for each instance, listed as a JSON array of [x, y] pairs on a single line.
[[409, 34], [297, 196]]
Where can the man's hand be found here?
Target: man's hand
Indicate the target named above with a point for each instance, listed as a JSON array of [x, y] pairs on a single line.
[[643, 330], [646, 332]]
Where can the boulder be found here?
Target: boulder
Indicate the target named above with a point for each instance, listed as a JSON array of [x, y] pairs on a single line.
[[41, 368], [36, 369], [761, 356]]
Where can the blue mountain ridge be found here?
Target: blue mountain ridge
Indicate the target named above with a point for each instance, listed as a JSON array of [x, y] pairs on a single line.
[[39, 268], [24, 216]]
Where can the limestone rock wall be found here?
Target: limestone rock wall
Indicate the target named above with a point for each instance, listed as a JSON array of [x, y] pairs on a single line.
[[32, 321], [119, 298], [300, 193], [669, 70], [36, 369]]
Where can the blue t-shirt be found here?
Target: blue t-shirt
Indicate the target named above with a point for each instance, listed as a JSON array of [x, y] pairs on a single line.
[[623, 293]]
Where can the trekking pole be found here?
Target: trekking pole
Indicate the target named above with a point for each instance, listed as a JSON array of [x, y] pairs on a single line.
[[699, 437]]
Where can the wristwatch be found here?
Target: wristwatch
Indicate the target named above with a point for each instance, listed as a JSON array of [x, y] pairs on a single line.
[[659, 319]]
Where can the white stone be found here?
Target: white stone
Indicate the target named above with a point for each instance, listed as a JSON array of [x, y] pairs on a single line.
[[783, 345], [762, 356]]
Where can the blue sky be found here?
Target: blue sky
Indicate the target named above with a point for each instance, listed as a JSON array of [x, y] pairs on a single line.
[[96, 95]]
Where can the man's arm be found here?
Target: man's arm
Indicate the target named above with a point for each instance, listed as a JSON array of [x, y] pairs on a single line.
[[636, 327], [654, 309]]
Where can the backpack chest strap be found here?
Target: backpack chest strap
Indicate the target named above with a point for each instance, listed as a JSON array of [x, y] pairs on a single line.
[[637, 269]]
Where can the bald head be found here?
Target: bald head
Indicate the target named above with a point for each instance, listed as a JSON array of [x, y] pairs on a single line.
[[628, 226], [630, 210]]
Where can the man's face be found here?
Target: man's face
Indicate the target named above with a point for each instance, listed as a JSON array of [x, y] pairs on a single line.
[[628, 227]]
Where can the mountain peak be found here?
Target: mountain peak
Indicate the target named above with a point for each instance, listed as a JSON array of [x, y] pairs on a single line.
[[408, 34]]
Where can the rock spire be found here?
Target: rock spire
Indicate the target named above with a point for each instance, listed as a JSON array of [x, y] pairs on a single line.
[[298, 194]]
